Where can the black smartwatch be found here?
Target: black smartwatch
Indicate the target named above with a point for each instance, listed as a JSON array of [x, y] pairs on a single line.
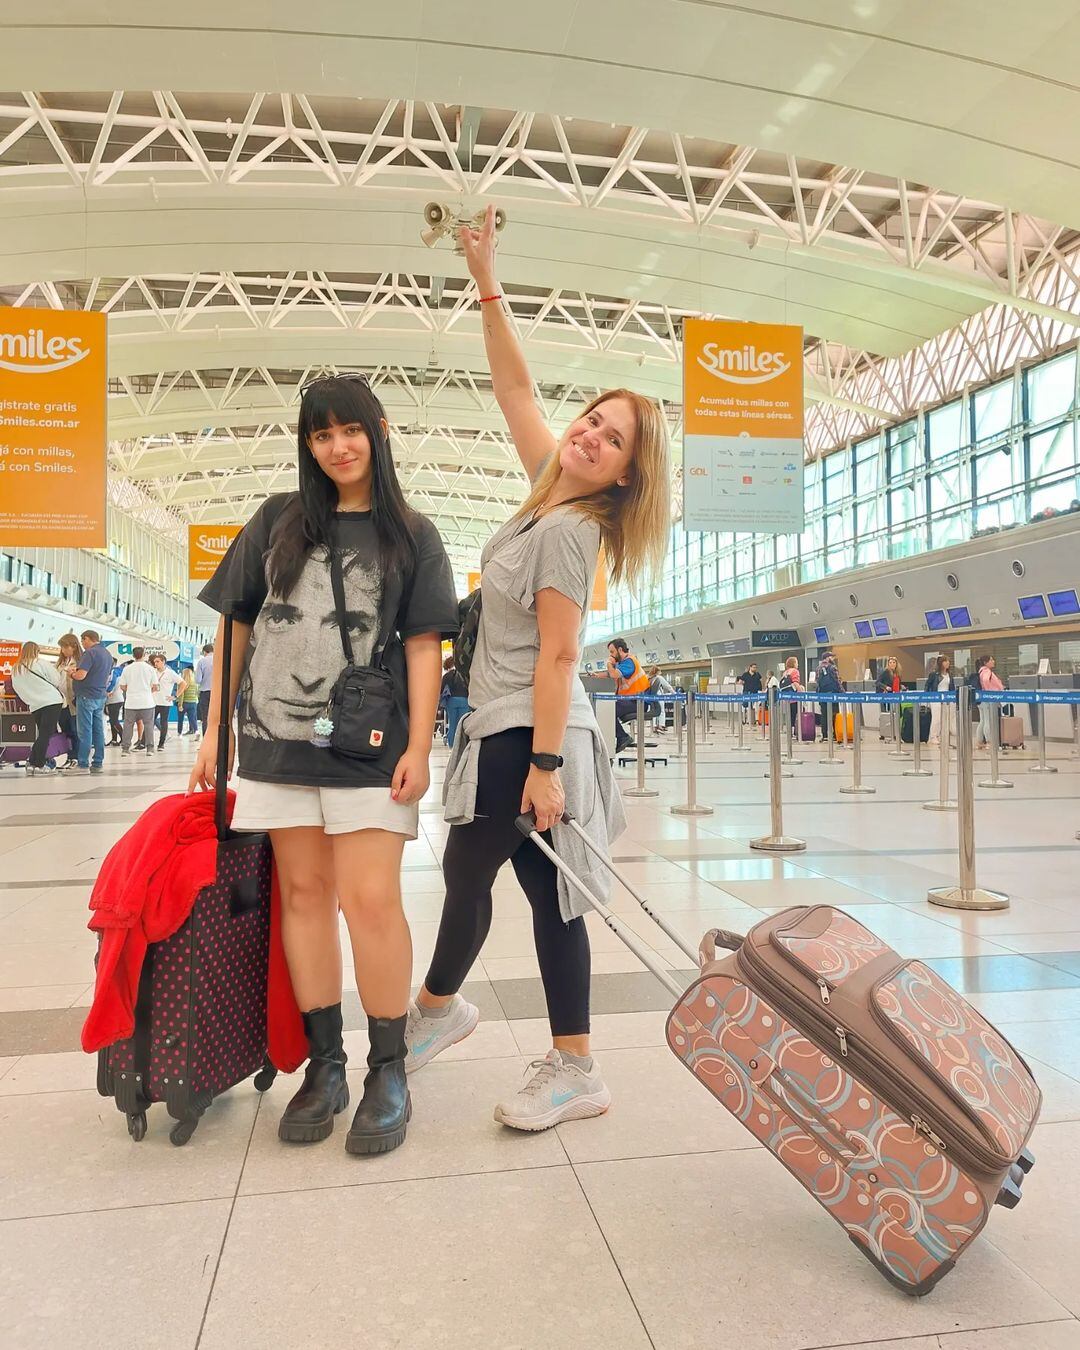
[[549, 763]]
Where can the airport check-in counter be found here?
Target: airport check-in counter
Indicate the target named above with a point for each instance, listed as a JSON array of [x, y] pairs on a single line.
[[1059, 716], [605, 709]]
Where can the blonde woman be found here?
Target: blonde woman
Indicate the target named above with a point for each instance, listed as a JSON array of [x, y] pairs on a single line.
[[531, 742], [37, 682]]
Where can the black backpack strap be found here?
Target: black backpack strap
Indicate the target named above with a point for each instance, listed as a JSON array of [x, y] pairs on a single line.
[[337, 582]]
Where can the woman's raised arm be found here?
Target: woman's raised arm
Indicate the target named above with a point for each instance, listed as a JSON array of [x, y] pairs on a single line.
[[510, 378]]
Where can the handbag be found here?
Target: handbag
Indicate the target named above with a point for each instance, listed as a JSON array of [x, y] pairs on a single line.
[[468, 632], [363, 707]]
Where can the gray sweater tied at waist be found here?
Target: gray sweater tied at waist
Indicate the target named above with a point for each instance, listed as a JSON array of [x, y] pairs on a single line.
[[592, 795]]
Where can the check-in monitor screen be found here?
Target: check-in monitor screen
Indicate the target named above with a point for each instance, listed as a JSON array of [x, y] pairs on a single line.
[[821, 635], [1063, 602], [1033, 606], [881, 628], [935, 620], [959, 617], [863, 629]]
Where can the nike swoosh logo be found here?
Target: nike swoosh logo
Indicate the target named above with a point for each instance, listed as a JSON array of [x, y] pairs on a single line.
[[421, 1046], [561, 1098]]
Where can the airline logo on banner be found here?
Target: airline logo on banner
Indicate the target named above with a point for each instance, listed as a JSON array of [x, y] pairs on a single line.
[[207, 545], [52, 428], [743, 427]]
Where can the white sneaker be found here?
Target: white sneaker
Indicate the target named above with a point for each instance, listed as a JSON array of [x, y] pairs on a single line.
[[426, 1037], [557, 1091]]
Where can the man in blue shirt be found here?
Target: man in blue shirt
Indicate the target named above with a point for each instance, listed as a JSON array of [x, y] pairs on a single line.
[[92, 677], [204, 678]]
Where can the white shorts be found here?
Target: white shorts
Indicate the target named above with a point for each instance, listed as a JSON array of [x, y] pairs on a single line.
[[283, 806]]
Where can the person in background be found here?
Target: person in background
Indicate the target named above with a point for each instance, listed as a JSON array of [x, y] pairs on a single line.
[[940, 681], [662, 688], [204, 678], [92, 680], [454, 696], [138, 682], [625, 669], [828, 682], [889, 679], [114, 706], [187, 702], [67, 663], [751, 684], [166, 683], [989, 682], [792, 679], [39, 685]]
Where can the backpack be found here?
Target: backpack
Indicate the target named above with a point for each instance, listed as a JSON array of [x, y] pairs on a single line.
[[467, 634]]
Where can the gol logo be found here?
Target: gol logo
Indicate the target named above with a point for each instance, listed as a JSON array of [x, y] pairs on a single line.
[[32, 353], [742, 365]]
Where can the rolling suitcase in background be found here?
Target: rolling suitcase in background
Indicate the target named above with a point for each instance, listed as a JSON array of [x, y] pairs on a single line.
[[893, 1102], [201, 1011], [907, 722], [807, 726], [844, 725], [1012, 732]]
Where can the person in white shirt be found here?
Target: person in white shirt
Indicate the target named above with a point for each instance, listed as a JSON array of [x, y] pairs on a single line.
[[138, 682], [164, 697], [39, 685]]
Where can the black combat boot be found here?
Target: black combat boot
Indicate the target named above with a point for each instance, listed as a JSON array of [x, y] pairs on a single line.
[[309, 1117], [381, 1118]]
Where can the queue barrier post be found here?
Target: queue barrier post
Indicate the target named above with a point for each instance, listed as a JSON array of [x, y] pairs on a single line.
[[741, 745], [789, 714], [771, 711], [968, 894], [948, 720], [916, 770], [691, 807], [995, 780], [1042, 766], [857, 788], [776, 841], [832, 702], [898, 751], [678, 713], [640, 790]]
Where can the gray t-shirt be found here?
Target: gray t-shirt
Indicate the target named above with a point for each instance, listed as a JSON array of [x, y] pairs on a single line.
[[559, 552]]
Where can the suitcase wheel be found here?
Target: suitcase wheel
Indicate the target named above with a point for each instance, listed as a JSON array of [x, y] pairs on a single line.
[[265, 1077], [1026, 1161], [182, 1131], [1010, 1194], [136, 1123]]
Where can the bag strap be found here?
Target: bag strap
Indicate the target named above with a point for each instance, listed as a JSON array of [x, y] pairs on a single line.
[[225, 716], [337, 583]]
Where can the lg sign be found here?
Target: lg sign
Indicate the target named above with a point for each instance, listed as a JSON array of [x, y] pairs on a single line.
[[32, 353], [742, 365]]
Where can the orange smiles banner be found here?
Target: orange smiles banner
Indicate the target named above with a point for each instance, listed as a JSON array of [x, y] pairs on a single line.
[[207, 545], [52, 428], [742, 426]]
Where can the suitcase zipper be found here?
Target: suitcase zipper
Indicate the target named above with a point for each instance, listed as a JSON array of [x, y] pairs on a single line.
[[879, 1070]]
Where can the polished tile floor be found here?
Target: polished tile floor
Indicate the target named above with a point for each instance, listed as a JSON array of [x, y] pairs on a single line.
[[660, 1224]]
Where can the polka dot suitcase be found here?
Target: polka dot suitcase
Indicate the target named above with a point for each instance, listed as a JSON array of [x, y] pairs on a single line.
[[887, 1095], [200, 1017], [200, 1014]]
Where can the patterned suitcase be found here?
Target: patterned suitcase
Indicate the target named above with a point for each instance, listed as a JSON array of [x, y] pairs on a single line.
[[884, 1093], [200, 1014]]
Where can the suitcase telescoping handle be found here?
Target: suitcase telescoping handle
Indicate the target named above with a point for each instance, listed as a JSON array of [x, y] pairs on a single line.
[[527, 825], [221, 787]]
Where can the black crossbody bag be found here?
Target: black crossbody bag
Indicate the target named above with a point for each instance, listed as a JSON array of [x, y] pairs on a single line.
[[363, 706]]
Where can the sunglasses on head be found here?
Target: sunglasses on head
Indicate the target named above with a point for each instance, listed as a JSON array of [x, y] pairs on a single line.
[[358, 376]]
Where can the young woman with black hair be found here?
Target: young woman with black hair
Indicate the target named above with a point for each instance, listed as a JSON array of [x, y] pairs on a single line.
[[337, 824]]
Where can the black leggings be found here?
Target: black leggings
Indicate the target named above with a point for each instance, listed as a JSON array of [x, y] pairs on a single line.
[[474, 854], [45, 726]]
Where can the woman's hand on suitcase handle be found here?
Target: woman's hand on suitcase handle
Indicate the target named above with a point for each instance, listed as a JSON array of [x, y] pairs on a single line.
[[544, 796], [204, 774]]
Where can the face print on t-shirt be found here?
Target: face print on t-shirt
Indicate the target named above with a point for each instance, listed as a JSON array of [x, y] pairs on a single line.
[[297, 653]]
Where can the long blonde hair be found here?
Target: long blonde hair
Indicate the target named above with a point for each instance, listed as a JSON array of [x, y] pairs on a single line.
[[28, 654], [634, 521]]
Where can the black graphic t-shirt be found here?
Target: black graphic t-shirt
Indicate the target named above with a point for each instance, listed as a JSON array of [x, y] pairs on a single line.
[[295, 655]]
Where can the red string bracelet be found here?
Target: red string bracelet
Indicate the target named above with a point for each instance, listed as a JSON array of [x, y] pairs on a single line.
[[484, 299]]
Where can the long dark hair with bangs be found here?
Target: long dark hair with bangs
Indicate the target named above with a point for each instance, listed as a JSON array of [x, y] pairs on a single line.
[[305, 524]]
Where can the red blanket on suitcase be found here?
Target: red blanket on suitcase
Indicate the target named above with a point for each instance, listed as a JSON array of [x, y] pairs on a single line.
[[144, 892]]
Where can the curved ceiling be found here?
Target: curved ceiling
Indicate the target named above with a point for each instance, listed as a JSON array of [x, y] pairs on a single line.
[[877, 172]]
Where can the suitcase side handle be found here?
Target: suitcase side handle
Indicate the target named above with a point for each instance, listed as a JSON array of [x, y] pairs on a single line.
[[717, 937]]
